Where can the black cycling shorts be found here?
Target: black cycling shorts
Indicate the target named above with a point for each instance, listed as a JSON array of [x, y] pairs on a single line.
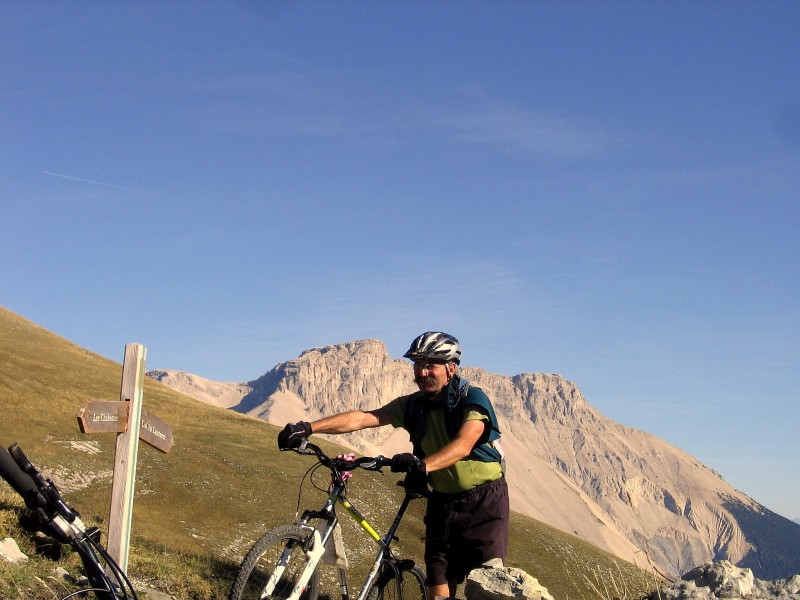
[[465, 530]]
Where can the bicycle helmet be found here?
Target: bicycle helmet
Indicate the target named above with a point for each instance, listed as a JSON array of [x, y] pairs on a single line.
[[435, 345]]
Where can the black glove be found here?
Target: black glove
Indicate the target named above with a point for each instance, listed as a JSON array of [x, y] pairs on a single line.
[[416, 480], [405, 462], [293, 434]]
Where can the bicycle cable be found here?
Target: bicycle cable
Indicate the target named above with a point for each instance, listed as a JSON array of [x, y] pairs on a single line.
[[83, 592], [309, 474], [123, 582], [310, 470]]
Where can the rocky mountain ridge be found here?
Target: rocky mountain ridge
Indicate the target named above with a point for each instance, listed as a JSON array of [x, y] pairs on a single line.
[[621, 489]]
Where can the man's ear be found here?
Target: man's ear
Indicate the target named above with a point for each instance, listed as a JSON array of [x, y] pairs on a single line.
[[451, 369]]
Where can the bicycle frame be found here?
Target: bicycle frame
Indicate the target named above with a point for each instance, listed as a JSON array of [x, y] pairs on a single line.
[[320, 537]]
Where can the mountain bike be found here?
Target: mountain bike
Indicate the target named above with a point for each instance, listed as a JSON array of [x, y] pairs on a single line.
[[284, 563], [55, 518]]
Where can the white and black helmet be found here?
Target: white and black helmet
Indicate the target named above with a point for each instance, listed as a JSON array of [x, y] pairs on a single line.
[[435, 345]]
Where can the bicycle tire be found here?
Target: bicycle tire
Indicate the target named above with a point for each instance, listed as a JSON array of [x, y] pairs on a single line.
[[259, 563], [412, 584]]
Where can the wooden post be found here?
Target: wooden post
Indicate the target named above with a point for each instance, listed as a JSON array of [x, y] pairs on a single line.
[[131, 423], [119, 523]]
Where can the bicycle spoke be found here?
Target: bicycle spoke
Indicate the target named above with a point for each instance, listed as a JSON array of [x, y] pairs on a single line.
[[409, 585], [273, 567]]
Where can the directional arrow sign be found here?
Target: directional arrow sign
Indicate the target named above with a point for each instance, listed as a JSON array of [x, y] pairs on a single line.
[[102, 416], [155, 432]]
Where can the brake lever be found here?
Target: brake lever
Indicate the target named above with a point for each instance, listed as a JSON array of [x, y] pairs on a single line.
[[303, 449]]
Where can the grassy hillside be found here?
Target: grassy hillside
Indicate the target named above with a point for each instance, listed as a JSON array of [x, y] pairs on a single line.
[[198, 508]]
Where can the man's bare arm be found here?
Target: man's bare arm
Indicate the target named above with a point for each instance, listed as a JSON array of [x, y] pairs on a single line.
[[353, 420], [468, 436]]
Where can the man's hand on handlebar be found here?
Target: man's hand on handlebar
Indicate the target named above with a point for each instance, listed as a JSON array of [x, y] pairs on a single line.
[[293, 435], [417, 474], [406, 463]]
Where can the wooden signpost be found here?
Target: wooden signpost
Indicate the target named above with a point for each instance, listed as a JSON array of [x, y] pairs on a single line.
[[104, 416], [130, 422]]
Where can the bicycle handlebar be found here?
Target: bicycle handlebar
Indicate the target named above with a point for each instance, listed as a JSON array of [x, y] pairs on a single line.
[[64, 524], [368, 463], [41, 496], [18, 479]]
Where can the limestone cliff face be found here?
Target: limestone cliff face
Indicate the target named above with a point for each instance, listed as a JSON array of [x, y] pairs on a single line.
[[324, 381], [621, 489], [215, 393]]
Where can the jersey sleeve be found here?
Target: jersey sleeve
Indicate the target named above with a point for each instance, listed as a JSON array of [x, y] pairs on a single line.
[[475, 413], [396, 409]]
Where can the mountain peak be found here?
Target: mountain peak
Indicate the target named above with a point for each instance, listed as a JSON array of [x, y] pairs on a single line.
[[366, 345], [620, 489]]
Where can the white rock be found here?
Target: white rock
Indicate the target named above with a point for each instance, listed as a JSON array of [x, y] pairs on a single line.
[[505, 583], [11, 552]]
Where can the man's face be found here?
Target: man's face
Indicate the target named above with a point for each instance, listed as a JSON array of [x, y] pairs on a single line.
[[431, 377]]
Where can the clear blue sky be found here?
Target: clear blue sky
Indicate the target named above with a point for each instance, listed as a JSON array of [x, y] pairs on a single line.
[[605, 190]]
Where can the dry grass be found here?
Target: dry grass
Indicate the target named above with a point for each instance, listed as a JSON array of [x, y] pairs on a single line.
[[613, 584], [199, 508]]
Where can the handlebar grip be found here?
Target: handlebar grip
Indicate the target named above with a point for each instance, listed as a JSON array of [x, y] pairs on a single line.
[[372, 463], [22, 483]]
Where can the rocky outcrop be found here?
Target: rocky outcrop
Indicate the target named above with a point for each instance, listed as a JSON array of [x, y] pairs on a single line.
[[620, 489], [723, 580], [324, 381], [503, 583]]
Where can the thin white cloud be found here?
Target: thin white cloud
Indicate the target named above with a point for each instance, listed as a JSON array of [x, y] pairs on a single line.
[[354, 105], [89, 181], [525, 130]]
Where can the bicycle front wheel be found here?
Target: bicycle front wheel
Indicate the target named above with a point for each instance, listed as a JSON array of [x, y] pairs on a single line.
[[276, 560], [398, 582]]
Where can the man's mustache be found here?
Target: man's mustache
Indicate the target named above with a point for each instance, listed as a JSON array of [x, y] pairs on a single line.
[[424, 379]]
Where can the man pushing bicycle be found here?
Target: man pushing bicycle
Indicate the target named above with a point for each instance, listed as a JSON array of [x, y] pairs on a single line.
[[455, 437]]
